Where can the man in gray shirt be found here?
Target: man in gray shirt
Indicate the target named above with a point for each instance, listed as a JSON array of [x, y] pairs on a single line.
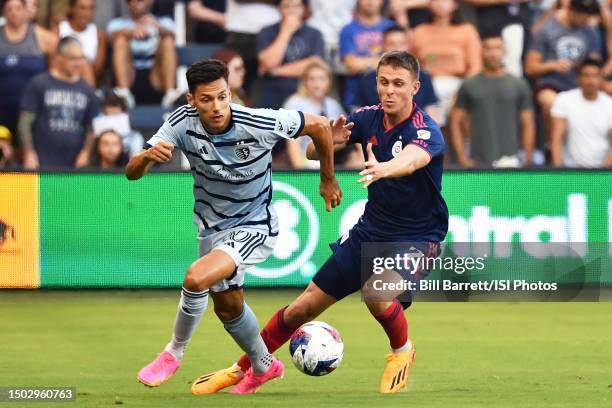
[[496, 107]]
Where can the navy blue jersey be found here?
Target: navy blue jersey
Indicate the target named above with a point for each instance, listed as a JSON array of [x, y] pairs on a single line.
[[405, 208]]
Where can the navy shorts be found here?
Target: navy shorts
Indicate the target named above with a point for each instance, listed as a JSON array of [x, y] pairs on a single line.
[[341, 274]]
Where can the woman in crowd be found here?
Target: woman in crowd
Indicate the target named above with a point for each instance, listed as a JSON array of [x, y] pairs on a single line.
[[449, 49], [312, 97], [80, 25], [237, 71]]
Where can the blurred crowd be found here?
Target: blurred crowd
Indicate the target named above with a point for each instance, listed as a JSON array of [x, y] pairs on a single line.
[[512, 83]]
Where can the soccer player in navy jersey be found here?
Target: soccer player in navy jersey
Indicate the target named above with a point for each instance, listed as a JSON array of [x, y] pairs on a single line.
[[404, 150]]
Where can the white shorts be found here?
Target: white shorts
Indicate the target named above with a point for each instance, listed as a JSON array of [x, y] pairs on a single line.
[[246, 246]]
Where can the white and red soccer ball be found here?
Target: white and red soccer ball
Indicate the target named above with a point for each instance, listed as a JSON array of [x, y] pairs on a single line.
[[316, 348]]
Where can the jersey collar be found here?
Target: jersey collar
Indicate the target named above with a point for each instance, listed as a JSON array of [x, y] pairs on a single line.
[[388, 129]]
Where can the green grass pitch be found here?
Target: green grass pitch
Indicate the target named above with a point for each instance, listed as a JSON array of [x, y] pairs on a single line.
[[468, 354]]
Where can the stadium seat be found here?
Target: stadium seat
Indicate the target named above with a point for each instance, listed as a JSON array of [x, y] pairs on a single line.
[[148, 116], [194, 52]]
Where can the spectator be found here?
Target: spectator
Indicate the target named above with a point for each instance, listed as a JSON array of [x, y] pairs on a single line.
[[107, 151], [561, 44], [361, 43], [144, 55], [606, 23], [244, 20], [329, 17], [284, 51], [496, 107], [80, 25], [581, 134], [396, 39], [57, 110], [511, 19], [6, 149], [114, 117], [111, 10], [209, 20], [235, 66], [449, 49], [312, 98], [25, 49], [409, 13]]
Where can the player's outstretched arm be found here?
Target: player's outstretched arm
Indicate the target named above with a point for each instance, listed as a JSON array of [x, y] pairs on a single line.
[[140, 164], [407, 162], [320, 131]]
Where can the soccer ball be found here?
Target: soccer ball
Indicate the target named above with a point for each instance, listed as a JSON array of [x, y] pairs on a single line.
[[316, 348]]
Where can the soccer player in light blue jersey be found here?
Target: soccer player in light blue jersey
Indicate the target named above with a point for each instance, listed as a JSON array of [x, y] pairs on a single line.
[[229, 148]]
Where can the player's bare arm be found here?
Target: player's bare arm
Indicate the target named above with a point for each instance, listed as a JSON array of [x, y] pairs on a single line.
[[140, 164], [411, 159], [320, 131]]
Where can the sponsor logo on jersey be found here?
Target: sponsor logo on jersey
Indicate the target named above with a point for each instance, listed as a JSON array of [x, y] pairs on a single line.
[[292, 128], [423, 134]]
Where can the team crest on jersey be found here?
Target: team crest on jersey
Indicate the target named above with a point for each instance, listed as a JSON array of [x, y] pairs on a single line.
[[242, 152], [397, 148], [423, 134]]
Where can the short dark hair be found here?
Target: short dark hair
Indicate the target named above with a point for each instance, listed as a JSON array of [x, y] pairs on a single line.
[[590, 62], [205, 72], [400, 59], [489, 34], [112, 99], [394, 29]]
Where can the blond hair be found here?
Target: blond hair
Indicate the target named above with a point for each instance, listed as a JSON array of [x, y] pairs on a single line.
[[315, 65]]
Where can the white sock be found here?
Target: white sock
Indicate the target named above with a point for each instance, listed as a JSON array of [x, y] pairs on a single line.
[[404, 348], [190, 311]]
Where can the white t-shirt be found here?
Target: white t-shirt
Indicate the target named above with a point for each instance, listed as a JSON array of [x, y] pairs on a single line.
[[88, 38], [588, 124], [249, 18]]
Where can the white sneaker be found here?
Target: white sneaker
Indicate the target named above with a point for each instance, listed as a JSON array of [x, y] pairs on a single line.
[[170, 97], [127, 96]]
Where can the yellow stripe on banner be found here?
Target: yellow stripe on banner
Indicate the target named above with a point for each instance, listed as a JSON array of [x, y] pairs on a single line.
[[19, 231]]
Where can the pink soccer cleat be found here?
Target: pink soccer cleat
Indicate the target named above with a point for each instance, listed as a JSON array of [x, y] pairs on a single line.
[[252, 381], [157, 372]]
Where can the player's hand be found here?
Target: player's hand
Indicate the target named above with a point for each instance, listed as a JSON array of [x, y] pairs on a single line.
[[341, 131], [331, 193], [374, 170], [161, 152]]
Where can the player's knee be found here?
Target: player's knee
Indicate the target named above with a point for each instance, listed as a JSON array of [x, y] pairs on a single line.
[[195, 280]]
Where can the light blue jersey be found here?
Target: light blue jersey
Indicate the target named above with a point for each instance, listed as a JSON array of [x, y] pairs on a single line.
[[232, 171]]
